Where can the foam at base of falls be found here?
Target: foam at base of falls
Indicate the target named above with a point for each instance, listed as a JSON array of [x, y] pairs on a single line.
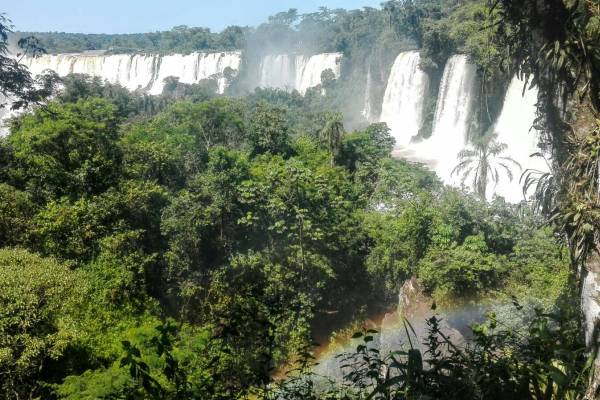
[[297, 72], [141, 71], [402, 107]]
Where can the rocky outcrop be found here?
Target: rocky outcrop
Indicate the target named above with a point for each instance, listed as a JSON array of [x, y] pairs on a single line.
[[414, 309], [412, 300], [590, 307]]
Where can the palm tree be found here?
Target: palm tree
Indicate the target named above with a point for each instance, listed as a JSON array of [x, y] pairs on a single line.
[[484, 162]]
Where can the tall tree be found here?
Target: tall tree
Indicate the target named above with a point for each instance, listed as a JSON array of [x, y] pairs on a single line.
[[17, 87], [332, 133], [68, 149], [484, 163]]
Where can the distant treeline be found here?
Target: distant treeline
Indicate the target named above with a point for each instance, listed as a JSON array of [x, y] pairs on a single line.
[[324, 30], [370, 39], [180, 39]]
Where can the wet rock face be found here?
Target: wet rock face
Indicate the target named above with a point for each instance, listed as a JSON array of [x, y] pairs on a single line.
[[414, 309], [590, 307], [412, 300], [590, 299]]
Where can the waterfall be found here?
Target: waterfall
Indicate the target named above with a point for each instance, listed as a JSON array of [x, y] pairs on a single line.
[[297, 72], [452, 121], [278, 72], [402, 107], [309, 69], [195, 67], [141, 71], [514, 128], [367, 111]]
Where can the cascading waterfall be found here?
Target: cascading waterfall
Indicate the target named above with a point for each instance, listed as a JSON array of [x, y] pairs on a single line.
[[297, 72], [278, 71], [140, 71], [195, 67], [367, 111], [309, 69], [453, 119], [147, 72], [514, 128], [402, 107]]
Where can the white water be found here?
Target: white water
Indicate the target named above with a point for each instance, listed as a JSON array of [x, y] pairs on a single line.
[[145, 72], [402, 107], [297, 72], [452, 122], [278, 72], [514, 128], [367, 111], [195, 67]]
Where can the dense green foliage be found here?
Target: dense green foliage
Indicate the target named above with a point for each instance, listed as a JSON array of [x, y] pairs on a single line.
[[180, 39], [541, 360], [184, 246], [252, 228], [16, 84]]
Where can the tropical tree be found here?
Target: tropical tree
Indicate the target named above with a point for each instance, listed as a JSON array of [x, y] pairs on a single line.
[[39, 299], [332, 133], [268, 130], [68, 149], [484, 163], [17, 87]]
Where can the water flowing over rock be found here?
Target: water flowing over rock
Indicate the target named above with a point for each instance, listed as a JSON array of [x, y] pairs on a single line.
[[278, 72], [453, 123], [453, 118], [297, 72], [514, 128], [141, 71], [402, 107], [367, 111]]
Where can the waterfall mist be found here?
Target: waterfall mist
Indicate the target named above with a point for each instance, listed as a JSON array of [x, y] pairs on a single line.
[[297, 72]]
